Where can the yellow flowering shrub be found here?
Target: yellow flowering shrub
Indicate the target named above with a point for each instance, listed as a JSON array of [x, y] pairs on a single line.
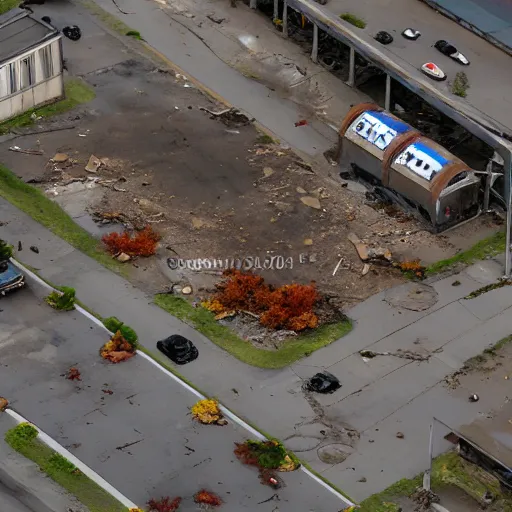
[[207, 411], [213, 305]]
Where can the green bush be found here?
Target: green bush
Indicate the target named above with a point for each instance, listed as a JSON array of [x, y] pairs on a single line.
[[270, 454], [5, 250], [20, 435], [460, 84], [63, 300], [353, 20], [113, 324]]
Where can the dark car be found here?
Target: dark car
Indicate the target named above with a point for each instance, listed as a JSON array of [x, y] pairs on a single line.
[[10, 278], [178, 349]]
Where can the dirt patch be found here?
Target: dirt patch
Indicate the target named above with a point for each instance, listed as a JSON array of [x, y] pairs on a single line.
[[211, 188]]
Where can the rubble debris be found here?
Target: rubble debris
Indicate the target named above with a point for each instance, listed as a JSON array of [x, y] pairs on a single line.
[[337, 266], [312, 202], [324, 382], [20, 247], [366, 269], [362, 480], [127, 445], [474, 398], [400, 435], [34, 248], [93, 164], [302, 122], [424, 498], [60, 158], [73, 374], [229, 116], [456, 283], [107, 391], [300, 190], [268, 171], [308, 241], [402, 354], [123, 257], [17, 149], [362, 249], [3, 403], [383, 37], [211, 17], [186, 290], [73, 32], [178, 349]]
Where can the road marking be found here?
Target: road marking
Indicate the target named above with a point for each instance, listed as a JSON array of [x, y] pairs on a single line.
[[86, 470], [239, 421]]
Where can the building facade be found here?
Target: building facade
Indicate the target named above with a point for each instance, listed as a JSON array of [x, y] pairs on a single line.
[[31, 66]]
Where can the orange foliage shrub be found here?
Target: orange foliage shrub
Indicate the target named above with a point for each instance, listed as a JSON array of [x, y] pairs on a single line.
[[207, 498], [164, 504], [142, 243], [287, 307], [414, 267], [117, 349]]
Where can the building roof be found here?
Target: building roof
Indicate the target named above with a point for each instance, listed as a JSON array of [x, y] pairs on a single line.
[[19, 32]]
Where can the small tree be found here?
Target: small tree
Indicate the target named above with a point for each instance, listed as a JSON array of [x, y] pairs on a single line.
[[5, 250], [64, 301]]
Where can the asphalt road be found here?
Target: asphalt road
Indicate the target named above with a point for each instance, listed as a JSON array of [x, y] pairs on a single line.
[[9, 503], [169, 454]]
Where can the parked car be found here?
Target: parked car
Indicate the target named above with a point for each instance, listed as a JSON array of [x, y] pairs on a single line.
[[391, 154], [10, 278]]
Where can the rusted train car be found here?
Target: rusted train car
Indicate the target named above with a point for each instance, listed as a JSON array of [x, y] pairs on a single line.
[[391, 153]]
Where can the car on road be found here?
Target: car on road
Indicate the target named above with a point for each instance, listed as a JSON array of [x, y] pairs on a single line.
[[10, 278]]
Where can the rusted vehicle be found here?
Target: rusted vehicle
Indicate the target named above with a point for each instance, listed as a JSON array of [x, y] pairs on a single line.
[[390, 153]]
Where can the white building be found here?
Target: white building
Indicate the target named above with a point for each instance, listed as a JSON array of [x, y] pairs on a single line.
[[31, 71]]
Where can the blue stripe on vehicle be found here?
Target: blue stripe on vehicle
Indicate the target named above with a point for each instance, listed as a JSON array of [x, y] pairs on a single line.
[[432, 153], [394, 124]]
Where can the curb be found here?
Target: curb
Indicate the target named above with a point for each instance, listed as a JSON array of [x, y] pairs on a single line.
[[227, 412], [86, 470]]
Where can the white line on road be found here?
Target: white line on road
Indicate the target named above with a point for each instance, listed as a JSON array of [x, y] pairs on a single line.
[[86, 470], [173, 376]]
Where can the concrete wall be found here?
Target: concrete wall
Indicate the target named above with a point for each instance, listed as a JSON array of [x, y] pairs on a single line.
[[45, 89]]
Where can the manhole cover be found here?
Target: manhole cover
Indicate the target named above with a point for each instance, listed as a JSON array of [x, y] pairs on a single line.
[[412, 296], [334, 453]]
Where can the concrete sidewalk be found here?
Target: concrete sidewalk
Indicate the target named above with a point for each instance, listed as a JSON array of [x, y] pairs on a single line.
[[378, 398]]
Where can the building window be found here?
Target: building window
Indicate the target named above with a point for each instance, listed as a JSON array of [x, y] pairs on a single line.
[[27, 72], [13, 77], [45, 56]]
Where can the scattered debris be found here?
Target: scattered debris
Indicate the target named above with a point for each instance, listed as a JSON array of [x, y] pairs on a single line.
[[400, 435], [302, 122], [107, 391], [60, 158], [20, 247], [337, 267], [312, 202], [3, 403], [362, 249], [229, 116], [473, 398], [402, 354], [74, 33], [187, 290], [362, 480], [34, 248], [324, 382], [123, 257], [366, 269], [127, 445], [73, 374], [456, 283], [268, 171], [93, 164], [207, 498], [164, 504], [308, 241], [484, 289], [17, 149], [211, 17], [424, 499], [178, 349], [300, 190]]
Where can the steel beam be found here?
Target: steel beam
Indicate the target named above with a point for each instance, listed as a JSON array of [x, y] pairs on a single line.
[[285, 18], [352, 68], [387, 101], [314, 51]]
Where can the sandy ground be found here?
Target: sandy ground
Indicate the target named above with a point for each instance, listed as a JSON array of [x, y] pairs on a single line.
[[212, 189]]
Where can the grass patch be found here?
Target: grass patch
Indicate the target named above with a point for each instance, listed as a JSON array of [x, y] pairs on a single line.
[[43, 210], [460, 84], [353, 20], [490, 246], [448, 469], [23, 440], [263, 138], [135, 34], [7, 5], [77, 92], [293, 350]]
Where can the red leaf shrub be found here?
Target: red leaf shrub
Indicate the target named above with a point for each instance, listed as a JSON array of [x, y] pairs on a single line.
[[164, 504], [142, 243], [245, 454], [287, 307], [207, 498]]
